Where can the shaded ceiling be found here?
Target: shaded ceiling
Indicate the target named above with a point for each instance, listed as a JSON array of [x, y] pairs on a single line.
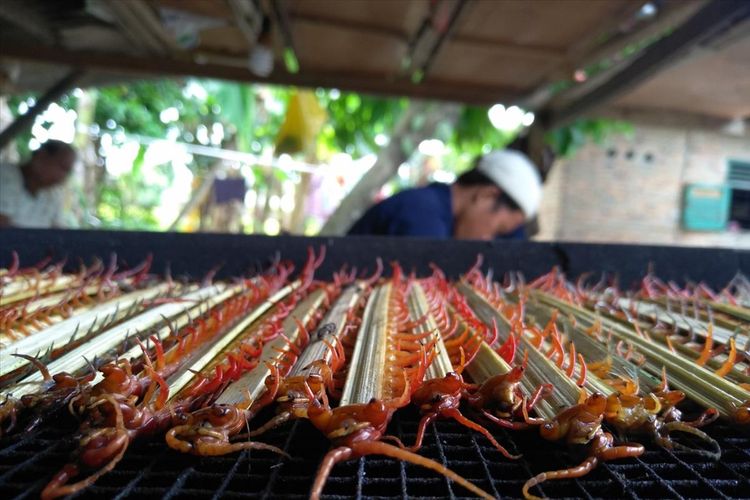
[[713, 81], [473, 51]]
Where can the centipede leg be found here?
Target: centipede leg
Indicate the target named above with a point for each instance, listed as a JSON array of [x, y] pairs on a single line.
[[363, 448], [276, 421], [458, 417], [580, 470], [423, 423], [216, 449], [332, 458], [505, 423], [58, 487]]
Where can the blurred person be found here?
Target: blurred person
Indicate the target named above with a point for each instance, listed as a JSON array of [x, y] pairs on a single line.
[[494, 199], [31, 194]]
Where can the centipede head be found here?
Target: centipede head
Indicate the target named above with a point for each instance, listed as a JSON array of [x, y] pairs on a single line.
[[577, 424], [439, 394]]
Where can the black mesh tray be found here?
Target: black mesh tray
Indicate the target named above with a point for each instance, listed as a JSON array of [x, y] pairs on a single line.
[[151, 470]]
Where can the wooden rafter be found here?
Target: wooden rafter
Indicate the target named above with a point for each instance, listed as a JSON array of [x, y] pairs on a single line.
[[280, 17], [714, 17], [140, 24], [435, 29], [248, 18], [590, 50], [368, 83]]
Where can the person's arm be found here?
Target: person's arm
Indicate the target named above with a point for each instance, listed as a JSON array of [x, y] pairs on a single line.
[[5, 221]]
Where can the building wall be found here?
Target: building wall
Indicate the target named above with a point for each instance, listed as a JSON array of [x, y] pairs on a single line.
[[629, 189]]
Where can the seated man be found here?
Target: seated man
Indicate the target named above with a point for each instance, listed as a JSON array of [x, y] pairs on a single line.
[[31, 194], [491, 200]]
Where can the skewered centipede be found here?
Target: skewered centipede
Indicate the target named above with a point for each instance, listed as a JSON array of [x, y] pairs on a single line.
[[132, 356]]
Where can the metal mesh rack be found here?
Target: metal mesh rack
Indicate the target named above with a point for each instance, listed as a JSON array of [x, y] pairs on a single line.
[[151, 470]]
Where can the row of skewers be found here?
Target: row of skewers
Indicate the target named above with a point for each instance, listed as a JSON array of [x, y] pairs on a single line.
[[133, 356]]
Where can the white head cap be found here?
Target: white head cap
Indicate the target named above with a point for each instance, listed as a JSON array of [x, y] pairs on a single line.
[[516, 175]]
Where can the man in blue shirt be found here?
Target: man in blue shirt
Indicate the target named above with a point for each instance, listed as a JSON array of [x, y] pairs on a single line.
[[493, 199]]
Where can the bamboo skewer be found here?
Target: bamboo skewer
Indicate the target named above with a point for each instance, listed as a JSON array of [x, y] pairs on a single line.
[[251, 385], [592, 350], [420, 311], [62, 334], [486, 364], [539, 371], [366, 374], [699, 384], [20, 290], [211, 353], [333, 328], [175, 324], [77, 359]]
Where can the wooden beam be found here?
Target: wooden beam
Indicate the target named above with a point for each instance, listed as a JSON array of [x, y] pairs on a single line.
[[431, 35], [368, 83], [24, 121], [140, 24], [349, 25], [248, 18], [710, 20], [501, 46], [590, 50], [281, 19]]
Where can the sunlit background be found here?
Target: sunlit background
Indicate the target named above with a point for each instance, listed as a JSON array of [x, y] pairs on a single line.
[[150, 150]]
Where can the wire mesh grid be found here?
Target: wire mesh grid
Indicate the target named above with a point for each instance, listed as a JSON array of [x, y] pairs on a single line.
[[151, 470]]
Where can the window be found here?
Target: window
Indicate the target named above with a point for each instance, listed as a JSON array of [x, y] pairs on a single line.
[[739, 183]]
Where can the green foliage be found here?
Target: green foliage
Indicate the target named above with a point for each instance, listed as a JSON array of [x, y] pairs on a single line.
[[251, 117], [235, 104], [128, 201], [135, 108], [474, 133], [67, 101], [355, 120], [565, 141]]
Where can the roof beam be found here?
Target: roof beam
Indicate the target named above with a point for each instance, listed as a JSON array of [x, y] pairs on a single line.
[[249, 19], [367, 83], [431, 35], [590, 50], [714, 17], [504, 47], [141, 25], [280, 17]]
